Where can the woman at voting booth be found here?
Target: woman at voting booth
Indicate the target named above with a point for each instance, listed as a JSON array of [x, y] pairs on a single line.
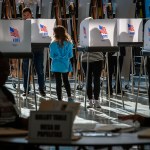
[[61, 52], [95, 67], [38, 61]]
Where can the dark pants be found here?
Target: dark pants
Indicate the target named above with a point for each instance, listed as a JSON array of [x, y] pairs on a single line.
[[112, 62], [94, 73], [59, 76], [38, 64]]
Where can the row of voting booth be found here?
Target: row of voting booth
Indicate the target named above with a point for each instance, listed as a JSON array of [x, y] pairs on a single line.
[[108, 32], [17, 35]]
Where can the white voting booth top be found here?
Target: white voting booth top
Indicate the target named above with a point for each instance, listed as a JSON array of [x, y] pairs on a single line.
[[146, 47], [42, 30], [98, 32], [130, 30], [98, 35], [19, 37], [15, 36]]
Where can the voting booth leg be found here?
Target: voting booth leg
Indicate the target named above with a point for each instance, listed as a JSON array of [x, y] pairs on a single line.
[[34, 87], [86, 81], [28, 82], [132, 67], [146, 77], [49, 72], [136, 102], [18, 89], [107, 66], [118, 76], [77, 75]]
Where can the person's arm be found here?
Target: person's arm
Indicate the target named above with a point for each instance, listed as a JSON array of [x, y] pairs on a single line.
[[144, 121], [51, 53], [70, 47]]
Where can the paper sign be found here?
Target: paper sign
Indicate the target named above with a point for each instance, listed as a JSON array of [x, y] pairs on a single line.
[[53, 105], [50, 126]]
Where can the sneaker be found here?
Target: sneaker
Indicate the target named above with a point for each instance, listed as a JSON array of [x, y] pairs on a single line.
[[97, 104], [70, 99], [42, 92], [90, 104], [24, 93]]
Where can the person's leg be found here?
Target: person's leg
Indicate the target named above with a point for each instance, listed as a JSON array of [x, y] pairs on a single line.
[[97, 68], [120, 65], [25, 65], [111, 71], [67, 86], [89, 84], [58, 85], [38, 63]]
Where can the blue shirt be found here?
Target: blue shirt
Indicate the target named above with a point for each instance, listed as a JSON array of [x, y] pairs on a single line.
[[60, 56]]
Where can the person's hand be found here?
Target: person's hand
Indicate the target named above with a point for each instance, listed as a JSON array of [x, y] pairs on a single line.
[[132, 117]]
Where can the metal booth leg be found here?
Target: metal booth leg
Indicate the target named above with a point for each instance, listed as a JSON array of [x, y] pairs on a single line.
[[75, 75], [139, 85], [107, 66], [86, 81], [132, 67], [18, 89], [30, 68], [118, 76], [49, 74], [28, 82], [34, 86]]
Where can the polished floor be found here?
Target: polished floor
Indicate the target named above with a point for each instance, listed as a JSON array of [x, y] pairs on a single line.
[[89, 118], [102, 119]]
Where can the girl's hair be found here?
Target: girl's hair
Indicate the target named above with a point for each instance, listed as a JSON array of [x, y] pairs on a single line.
[[61, 35]]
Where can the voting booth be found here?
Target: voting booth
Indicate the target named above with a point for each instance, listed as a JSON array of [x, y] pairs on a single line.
[[145, 52], [15, 37], [130, 31], [42, 30], [98, 33], [146, 44]]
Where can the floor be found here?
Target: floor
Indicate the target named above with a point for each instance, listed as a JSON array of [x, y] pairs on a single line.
[[89, 118], [105, 118]]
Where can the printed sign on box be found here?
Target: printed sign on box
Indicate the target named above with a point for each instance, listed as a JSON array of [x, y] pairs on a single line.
[[50, 126]]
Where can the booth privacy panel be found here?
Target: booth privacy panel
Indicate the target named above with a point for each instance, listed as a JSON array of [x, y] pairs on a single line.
[[98, 32], [15, 36], [42, 30], [147, 36], [130, 30]]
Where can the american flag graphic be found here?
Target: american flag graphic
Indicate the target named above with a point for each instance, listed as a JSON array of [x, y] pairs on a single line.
[[131, 28], [43, 28], [14, 32], [84, 30], [102, 30]]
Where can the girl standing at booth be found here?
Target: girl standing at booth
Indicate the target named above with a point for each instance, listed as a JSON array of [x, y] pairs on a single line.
[[61, 52]]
